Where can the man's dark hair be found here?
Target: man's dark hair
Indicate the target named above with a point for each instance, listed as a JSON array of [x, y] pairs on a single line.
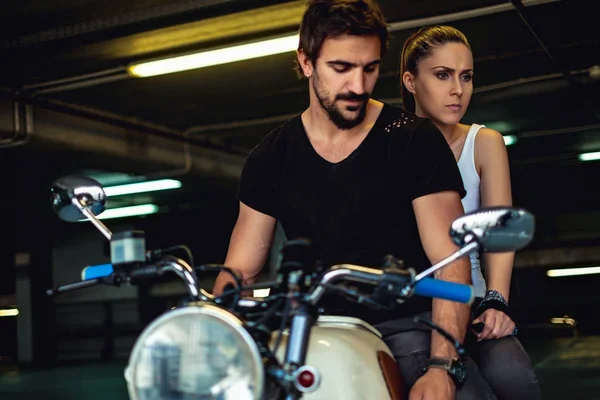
[[325, 19]]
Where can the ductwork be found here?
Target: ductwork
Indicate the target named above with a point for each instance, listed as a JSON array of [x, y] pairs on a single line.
[[123, 149]]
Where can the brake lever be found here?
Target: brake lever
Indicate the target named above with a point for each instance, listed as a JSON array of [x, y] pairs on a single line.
[[75, 286], [114, 279]]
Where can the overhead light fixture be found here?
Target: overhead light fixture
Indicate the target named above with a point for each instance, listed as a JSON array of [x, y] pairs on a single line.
[[142, 187], [124, 212], [589, 156], [566, 320], [11, 312], [500, 126], [215, 57], [509, 139], [556, 273]]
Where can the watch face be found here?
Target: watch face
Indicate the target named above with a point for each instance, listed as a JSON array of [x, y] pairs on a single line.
[[459, 371]]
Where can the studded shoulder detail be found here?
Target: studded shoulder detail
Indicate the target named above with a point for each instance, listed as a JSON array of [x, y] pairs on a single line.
[[402, 119]]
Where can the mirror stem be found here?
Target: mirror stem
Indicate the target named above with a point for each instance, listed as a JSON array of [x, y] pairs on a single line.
[[86, 212], [470, 246]]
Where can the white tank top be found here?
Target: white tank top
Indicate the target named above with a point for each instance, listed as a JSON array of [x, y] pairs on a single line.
[[471, 202]]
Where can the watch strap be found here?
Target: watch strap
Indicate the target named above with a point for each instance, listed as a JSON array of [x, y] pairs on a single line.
[[450, 366], [438, 362]]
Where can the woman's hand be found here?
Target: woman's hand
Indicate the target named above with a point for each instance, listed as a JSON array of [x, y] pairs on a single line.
[[496, 325]]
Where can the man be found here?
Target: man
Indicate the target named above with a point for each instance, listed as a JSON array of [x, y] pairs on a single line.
[[361, 179]]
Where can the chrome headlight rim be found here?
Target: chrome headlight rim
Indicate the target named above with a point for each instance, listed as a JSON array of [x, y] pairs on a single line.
[[203, 309]]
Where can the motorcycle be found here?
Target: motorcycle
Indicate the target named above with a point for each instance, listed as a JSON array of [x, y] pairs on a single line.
[[233, 347]]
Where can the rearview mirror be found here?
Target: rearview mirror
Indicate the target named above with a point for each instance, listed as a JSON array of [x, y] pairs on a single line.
[[496, 229], [86, 191]]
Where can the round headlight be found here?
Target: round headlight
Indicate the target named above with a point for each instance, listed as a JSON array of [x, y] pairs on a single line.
[[195, 352]]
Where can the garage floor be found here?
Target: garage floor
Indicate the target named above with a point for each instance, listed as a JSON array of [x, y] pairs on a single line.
[[568, 368]]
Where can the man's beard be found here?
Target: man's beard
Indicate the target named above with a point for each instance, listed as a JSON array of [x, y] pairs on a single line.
[[333, 111]]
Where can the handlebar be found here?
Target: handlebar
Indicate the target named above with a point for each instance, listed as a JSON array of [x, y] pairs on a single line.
[[458, 292], [101, 271], [96, 271], [106, 274], [184, 271], [405, 281], [427, 287]]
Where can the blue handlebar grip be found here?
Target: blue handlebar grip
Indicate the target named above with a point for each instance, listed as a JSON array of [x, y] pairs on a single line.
[[430, 287], [96, 271]]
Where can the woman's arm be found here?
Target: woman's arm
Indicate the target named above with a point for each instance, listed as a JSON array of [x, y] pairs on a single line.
[[491, 160]]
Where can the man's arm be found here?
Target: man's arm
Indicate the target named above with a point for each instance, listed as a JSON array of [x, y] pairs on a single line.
[[435, 213], [251, 239]]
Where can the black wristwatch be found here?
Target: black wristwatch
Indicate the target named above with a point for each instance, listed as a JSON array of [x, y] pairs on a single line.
[[455, 368]]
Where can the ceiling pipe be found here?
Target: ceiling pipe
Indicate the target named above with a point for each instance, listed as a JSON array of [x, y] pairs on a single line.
[[22, 126], [110, 118], [199, 156], [105, 146], [462, 15]]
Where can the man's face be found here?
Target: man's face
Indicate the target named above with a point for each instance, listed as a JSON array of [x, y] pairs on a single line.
[[344, 76]]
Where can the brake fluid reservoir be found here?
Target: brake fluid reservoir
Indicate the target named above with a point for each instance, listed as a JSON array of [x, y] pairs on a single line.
[[128, 247]]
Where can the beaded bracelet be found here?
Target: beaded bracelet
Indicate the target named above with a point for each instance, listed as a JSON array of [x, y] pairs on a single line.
[[495, 295], [493, 299]]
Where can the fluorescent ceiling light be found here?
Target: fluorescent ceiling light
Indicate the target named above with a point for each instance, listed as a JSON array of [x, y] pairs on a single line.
[[142, 187], [555, 273], [215, 57], [509, 139], [500, 126], [123, 212], [563, 321], [11, 312], [589, 156]]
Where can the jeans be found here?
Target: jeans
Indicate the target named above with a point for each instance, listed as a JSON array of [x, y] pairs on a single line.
[[410, 343], [506, 367], [504, 364], [496, 369]]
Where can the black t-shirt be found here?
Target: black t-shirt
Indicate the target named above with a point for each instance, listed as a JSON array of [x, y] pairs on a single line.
[[360, 209]]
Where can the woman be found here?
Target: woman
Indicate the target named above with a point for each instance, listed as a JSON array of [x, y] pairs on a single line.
[[436, 68]]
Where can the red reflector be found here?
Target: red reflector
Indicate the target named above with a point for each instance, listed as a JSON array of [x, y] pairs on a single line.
[[306, 379]]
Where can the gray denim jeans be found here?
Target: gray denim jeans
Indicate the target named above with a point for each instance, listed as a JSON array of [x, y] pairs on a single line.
[[496, 369]]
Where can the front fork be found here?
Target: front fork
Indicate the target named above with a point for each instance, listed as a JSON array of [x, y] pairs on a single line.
[[299, 378], [297, 346]]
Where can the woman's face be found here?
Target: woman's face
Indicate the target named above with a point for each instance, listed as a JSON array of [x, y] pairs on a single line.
[[443, 85]]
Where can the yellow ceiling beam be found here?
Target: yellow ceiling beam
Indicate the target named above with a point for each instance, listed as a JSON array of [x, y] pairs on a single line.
[[280, 17]]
